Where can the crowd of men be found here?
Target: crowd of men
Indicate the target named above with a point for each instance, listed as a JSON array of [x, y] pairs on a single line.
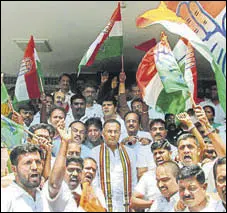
[[101, 148]]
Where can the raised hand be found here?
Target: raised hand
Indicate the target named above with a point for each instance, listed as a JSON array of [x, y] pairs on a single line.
[[185, 119], [17, 118], [104, 78], [114, 83], [144, 141], [201, 115], [62, 131]]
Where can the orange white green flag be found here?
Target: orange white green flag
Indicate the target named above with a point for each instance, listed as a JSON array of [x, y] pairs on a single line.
[[29, 80], [108, 44]]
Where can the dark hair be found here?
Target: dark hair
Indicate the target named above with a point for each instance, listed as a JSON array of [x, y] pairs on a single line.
[[185, 136], [87, 84], [131, 112], [110, 98], [133, 85], [26, 106], [162, 144], [49, 95], [23, 149], [94, 121], [192, 171], [77, 122], [77, 96], [67, 75], [75, 160], [173, 166], [212, 109], [219, 161], [155, 121], [35, 127], [167, 115], [59, 108], [136, 100], [111, 121]]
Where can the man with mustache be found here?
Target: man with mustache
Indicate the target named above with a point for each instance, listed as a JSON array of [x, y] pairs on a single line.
[[146, 190], [220, 182], [78, 134], [23, 194], [192, 191], [77, 109], [166, 174], [89, 91]]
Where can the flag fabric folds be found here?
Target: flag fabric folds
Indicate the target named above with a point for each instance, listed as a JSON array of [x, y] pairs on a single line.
[[161, 80], [11, 132], [191, 30], [4, 93], [28, 84], [108, 44], [147, 45]]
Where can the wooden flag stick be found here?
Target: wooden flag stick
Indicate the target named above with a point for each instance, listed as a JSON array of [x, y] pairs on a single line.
[[122, 63]]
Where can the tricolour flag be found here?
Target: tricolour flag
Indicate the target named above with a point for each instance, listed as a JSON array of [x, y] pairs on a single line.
[[11, 132], [28, 84], [185, 57], [175, 24], [108, 44], [161, 80]]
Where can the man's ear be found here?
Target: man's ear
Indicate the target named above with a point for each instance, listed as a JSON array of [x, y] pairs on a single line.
[[205, 186], [14, 169]]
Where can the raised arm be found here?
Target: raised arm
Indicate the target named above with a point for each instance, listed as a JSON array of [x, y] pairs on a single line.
[[59, 168]]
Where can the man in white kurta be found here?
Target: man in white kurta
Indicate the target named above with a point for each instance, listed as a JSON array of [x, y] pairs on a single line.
[[111, 134]]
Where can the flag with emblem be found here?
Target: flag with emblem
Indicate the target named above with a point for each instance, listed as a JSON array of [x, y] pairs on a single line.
[[29, 80], [161, 81], [11, 132], [108, 44]]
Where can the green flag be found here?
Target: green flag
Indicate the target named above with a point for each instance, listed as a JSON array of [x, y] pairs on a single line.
[[4, 93], [11, 132]]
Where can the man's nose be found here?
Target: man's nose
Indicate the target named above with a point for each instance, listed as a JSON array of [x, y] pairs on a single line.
[[34, 165]]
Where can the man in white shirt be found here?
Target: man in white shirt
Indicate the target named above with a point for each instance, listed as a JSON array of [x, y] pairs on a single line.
[[118, 163], [146, 190], [220, 115], [23, 195], [192, 191], [220, 181], [93, 109], [77, 110], [166, 174]]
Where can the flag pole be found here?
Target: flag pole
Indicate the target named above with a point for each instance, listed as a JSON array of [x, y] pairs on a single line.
[[122, 63]]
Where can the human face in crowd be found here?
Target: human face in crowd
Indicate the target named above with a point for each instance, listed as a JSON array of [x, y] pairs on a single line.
[[135, 91], [29, 170], [132, 124], [89, 171], [192, 193], [161, 156], [27, 115], [108, 108], [90, 94], [49, 103], [209, 113], [42, 133], [111, 134], [166, 182], [188, 152], [137, 106], [78, 107], [214, 93], [94, 133], [170, 123], [221, 182], [158, 131], [73, 175], [64, 83], [78, 132], [209, 152], [56, 116], [59, 98], [74, 149]]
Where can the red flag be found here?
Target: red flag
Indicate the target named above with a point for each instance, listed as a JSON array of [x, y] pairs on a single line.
[[147, 45]]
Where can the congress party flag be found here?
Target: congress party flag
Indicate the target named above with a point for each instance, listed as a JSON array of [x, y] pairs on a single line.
[[4, 93], [161, 80], [11, 132], [108, 44], [207, 37], [29, 80]]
